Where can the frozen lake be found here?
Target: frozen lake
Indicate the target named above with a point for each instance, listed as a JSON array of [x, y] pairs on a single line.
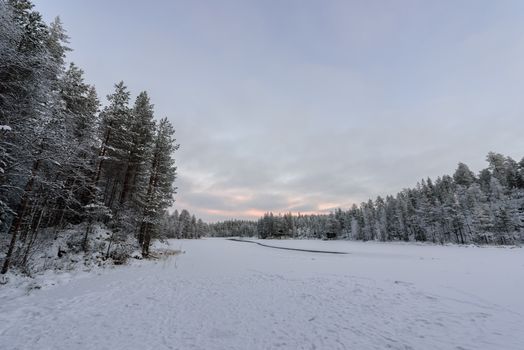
[[222, 294]]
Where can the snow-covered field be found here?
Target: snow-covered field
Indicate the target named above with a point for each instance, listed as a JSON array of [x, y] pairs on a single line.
[[222, 294]]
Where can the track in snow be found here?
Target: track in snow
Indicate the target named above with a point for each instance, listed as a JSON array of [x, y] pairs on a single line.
[[287, 248]]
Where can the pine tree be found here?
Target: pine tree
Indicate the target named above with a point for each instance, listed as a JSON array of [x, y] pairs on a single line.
[[81, 122], [160, 189], [38, 118], [497, 166], [141, 135], [115, 125], [463, 176]]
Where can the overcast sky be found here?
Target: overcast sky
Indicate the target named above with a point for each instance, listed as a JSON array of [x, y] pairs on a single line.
[[311, 105]]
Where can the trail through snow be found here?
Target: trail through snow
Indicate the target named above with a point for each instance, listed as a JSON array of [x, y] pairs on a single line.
[[287, 248], [222, 294]]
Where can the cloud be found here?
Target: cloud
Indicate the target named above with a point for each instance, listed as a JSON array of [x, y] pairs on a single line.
[[306, 106]]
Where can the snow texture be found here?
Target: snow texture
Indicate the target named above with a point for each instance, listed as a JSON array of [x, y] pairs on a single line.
[[221, 294]]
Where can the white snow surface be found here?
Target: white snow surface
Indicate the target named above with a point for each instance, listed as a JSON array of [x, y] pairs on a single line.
[[221, 294]]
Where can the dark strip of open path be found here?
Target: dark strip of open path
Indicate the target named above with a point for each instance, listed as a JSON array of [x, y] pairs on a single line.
[[285, 248]]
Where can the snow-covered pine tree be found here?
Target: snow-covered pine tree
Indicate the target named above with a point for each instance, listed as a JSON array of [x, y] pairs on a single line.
[[114, 131], [37, 123], [139, 149], [80, 108], [463, 176], [160, 190]]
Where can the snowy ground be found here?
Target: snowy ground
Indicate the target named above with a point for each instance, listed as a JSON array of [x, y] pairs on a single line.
[[222, 294]]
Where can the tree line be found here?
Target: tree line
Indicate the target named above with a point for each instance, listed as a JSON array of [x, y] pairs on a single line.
[[183, 225], [483, 208], [65, 160]]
